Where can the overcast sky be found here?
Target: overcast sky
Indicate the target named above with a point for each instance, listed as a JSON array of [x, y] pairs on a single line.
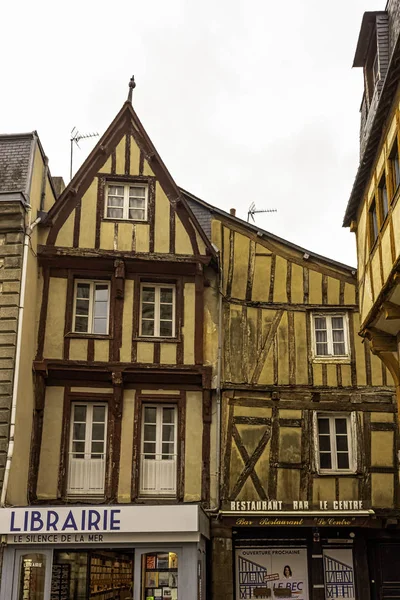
[[245, 100]]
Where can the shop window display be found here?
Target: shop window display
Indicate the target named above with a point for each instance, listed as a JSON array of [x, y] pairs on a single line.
[[160, 576], [102, 575], [32, 577]]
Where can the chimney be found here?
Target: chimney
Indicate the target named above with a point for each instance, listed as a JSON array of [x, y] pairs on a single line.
[[233, 212], [59, 185]]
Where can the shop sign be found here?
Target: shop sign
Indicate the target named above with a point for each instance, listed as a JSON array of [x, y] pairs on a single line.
[[297, 505], [95, 521], [272, 573]]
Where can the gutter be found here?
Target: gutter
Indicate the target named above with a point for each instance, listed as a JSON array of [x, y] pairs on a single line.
[[10, 451]]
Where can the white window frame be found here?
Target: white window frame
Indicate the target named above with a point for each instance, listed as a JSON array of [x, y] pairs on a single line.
[[159, 441], [91, 306], [125, 207], [157, 287], [88, 444], [336, 358], [351, 419]]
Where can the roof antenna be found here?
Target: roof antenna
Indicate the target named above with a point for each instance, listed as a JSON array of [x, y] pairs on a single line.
[[132, 86], [253, 211], [76, 137]]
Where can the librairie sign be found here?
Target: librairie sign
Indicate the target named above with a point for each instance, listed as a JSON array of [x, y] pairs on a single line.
[[87, 524]]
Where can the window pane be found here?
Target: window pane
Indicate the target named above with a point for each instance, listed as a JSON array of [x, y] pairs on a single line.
[[101, 309], [137, 203], [324, 443], [101, 294], [79, 413], [136, 214], [82, 290], [166, 295], [339, 349], [78, 449], [322, 349], [150, 414], [100, 326], [148, 294], [116, 190], [166, 328], [166, 311], [325, 461], [385, 205], [150, 433], [149, 448], [115, 213], [114, 201], [338, 335], [342, 443], [168, 433], [323, 425], [343, 461], [341, 425], [79, 431], [168, 415], [82, 307], [148, 311], [98, 448], [137, 191], [99, 414], [320, 323], [167, 450], [98, 431], [148, 328], [337, 322]]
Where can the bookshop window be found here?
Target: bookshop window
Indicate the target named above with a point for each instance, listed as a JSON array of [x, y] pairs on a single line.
[[160, 576]]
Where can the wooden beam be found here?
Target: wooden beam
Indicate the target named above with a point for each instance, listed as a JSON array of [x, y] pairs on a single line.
[[391, 310]]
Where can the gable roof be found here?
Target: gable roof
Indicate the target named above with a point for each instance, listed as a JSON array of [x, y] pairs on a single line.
[[201, 207], [124, 123]]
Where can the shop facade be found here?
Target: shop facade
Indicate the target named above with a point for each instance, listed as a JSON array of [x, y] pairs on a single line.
[[104, 553], [310, 554]]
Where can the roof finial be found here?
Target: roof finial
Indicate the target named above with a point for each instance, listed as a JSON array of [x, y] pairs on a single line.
[[132, 86]]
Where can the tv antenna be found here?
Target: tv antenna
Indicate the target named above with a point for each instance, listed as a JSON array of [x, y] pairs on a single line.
[[76, 137], [253, 211]]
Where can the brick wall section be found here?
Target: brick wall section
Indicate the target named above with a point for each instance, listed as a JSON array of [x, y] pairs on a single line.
[[11, 244]]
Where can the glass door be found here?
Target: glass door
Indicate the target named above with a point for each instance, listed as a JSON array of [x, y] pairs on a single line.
[[32, 575]]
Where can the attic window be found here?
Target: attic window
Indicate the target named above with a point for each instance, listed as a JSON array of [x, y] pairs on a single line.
[[126, 202]]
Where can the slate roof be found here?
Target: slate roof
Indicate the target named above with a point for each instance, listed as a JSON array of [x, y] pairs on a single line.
[[15, 154]]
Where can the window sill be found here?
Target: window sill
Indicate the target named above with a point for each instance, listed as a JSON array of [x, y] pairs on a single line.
[[88, 336], [335, 473], [332, 360], [115, 220], [163, 340]]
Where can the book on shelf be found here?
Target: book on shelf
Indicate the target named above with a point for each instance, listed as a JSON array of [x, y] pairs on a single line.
[[151, 579], [172, 560], [173, 580], [163, 561], [150, 561], [163, 578]]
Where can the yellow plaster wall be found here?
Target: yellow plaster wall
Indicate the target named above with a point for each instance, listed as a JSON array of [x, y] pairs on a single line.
[[161, 222], [280, 280], [288, 486], [241, 265], [66, 234], [324, 489], [382, 490], [51, 444], [78, 349], [142, 237], [315, 287], [107, 235], [183, 244], [120, 157], [124, 240], [87, 228], [262, 274], [188, 327], [168, 354], [55, 321], [193, 446], [127, 322], [101, 350], [126, 466], [145, 352], [290, 444], [135, 158], [382, 448]]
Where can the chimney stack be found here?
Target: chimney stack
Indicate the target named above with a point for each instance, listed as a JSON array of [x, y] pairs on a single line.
[[233, 212]]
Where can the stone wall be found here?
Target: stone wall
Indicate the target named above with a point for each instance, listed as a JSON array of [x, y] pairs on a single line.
[[11, 245]]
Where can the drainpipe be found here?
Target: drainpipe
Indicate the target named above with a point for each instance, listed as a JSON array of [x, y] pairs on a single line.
[[28, 232]]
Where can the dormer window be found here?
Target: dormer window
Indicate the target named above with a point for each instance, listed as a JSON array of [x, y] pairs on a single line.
[[127, 202]]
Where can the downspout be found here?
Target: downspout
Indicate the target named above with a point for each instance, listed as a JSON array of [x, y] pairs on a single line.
[[10, 451]]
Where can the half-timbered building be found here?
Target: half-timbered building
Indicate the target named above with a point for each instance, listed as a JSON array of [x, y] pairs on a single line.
[[309, 438], [111, 457]]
